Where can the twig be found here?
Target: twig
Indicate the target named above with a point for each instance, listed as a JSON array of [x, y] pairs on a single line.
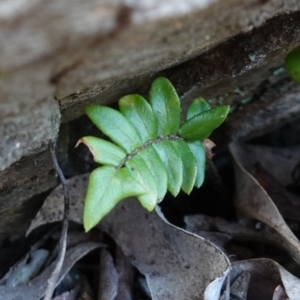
[[63, 238]]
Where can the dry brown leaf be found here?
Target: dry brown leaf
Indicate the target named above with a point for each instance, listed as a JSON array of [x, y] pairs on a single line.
[[36, 288], [177, 264], [287, 203], [74, 238], [115, 281], [266, 275], [108, 278], [53, 207], [220, 232], [125, 271], [253, 201], [278, 161], [208, 146]]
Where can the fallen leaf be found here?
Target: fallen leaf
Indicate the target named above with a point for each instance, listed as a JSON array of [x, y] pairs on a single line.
[[74, 238], [125, 271], [252, 201], [287, 203], [177, 264], [221, 231], [53, 207], [36, 288], [279, 161], [108, 278], [266, 275], [115, 281]]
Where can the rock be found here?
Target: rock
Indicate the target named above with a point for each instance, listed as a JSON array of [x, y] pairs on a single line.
[[59, 56], [21, 188]]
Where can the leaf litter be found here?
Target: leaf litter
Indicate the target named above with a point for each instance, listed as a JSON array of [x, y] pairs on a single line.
[[116, 279], [265, 275], [192, 263], [252, 201], [187, 267], [35, 289]]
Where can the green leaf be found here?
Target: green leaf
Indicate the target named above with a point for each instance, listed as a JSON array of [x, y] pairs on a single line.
[[106, 187], [199, 153], [197, 106], [169, 155], [139, 112], [104, 152], [200, 126], [157, 169], [140, 172], [189, 166], [166, 106], [112, 123], [292, 64]]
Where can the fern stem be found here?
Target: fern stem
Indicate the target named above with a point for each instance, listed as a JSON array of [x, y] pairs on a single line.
[[170, 137]]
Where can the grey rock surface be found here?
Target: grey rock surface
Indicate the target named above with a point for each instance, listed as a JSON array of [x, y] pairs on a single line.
[[59, 56]]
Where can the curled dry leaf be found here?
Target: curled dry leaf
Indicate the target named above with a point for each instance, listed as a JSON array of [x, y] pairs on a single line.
[[253, 201], [266, 275], [115, 281], [208, 146], [177, 264], [35, 289]]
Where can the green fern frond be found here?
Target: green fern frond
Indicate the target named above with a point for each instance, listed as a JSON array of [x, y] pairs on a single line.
[[150, 151]]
